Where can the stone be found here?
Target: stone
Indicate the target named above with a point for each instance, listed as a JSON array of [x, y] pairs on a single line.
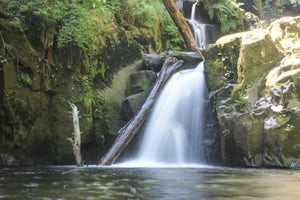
[[152, 62], [140, 81], [132, 104], [138, 87], [39, 76], [259, 113]]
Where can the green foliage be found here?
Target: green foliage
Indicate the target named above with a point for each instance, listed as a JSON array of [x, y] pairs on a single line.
[[147, 17], [176, 40], [26, 79], [243, 98], [46, 12], [75, 20], [227, 14], [88, 93], [77, 29], [171, 34], [242, 101]]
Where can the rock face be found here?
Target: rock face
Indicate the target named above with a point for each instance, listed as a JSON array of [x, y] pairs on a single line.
[[253, 78], [39, 77], [140, 82], [138, 87]]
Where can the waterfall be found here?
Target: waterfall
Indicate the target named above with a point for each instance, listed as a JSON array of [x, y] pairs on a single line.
[[198, 28], [173, 131]]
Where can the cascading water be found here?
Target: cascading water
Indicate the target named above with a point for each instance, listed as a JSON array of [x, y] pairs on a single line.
[[198, 28], [174, 131], [173, 134]]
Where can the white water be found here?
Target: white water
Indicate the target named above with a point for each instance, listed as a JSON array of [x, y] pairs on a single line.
[[198, 28], [173, 133]]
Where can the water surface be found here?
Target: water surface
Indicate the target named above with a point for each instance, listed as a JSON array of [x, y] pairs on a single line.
[[147, 183]]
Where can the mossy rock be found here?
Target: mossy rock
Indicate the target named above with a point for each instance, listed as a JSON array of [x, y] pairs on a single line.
[[282, 142], [221, 61], [131, 105], [153, 62], [243, 137], [140, 81], [18, 47], [258, 55], [257, 107]]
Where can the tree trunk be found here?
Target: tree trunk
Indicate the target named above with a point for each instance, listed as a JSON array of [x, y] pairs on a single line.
[[76, 140], [183, 27], [126, 133]]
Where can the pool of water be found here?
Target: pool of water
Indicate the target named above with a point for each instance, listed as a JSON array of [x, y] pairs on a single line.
[[69, 182]]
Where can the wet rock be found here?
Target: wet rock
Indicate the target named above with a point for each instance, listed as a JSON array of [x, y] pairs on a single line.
[[138, 87], [152, 62], [259, 116], [140, 81], [132, 104], [38, 77]]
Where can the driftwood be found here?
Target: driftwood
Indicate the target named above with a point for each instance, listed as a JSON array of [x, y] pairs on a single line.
[[183, 27], [126, 133], [76, 140]]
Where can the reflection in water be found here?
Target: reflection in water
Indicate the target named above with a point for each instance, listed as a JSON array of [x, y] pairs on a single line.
[[147, 183]]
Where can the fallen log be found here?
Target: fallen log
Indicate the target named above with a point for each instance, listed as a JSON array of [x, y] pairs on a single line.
[[126, 133], [183, 27]]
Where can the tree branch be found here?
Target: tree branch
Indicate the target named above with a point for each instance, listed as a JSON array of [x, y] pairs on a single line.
[[183, 27]]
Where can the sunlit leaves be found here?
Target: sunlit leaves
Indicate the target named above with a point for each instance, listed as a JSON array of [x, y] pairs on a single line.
[[227, 14]]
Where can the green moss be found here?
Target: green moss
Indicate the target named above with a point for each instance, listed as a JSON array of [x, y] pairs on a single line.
[[62, 52], [26, 79], [259, 6], [219, 71], [262, 62]]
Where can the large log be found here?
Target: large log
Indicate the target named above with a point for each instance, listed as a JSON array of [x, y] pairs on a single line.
[[126, 133], [183, 27]]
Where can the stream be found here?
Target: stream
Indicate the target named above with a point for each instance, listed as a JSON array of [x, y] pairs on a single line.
[[186, 182]]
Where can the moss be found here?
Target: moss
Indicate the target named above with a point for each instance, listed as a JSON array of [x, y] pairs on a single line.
[[263, 61], [291, 147], [26, 79], [13, 36], [259, 6], [48, 62], [221, 62]]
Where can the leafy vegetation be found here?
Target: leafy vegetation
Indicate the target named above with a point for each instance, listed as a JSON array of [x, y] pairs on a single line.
[[78, 28], [227, 14], [26, 79], [176, 41]]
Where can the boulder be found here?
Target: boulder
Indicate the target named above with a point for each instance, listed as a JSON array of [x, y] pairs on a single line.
[[137, 88], [140, 81], [253, 79], [132, 104], [152, 62]]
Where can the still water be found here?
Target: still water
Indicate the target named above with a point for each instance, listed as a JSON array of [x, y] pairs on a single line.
[[147, 183]]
